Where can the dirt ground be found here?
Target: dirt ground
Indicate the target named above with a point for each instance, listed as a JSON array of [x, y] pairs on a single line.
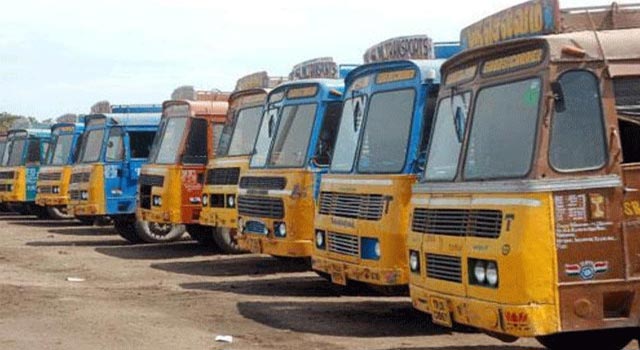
[[181, 296]]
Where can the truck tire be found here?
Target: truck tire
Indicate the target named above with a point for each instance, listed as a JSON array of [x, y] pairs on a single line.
[[225, 238], [152, 232], [204, 236], [58, 213], [127, 230], [606, 339]]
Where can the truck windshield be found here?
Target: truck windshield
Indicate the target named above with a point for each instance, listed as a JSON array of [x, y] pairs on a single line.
[[166, 151], [386, 132], [446, 141], [60, 150], [17, 152], [292, 137], [91, 146], [348, 133], [503, 132], [265, 135], [242, 134], [3, 146], [7, 152]]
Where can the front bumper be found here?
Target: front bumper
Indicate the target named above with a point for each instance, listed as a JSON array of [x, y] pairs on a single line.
[[160, 216], [350, 271], [87, 209], [52, 201], [283, 247]]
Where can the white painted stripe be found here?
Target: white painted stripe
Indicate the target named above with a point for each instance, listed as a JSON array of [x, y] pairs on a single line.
[[370, 182], [453, 202]]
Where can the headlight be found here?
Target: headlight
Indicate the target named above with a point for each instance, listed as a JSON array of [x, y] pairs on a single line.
[[480, 272], [376, 249], [231, 201], [492, 274], [9, 188], [55, 189], [157, 201], [369, 248], [205, 200], [84, 195], [414, 261], [320, 239], [280, 230]]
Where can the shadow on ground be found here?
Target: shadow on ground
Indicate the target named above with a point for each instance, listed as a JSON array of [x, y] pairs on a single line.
[[81, 243], [474, 347], [366, 319], [279, 287], [182, 249], [85, 231], [238, 265], [49, 223]]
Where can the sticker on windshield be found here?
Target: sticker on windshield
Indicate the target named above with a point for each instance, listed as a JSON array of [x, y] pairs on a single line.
[[532, 95]]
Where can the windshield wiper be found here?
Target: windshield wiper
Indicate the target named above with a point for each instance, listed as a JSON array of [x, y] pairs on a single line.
[[630, 110]]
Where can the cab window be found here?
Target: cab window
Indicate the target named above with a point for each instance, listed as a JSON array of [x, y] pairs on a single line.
[[577, 132], [503, 131], [140, 143], [196, 150], [115, 145], [328, 133], [627, 95]]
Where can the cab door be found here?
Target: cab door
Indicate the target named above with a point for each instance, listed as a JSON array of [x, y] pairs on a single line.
[[115, 169]]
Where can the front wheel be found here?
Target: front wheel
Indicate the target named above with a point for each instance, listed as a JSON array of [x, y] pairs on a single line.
[[153, 232], [127, 230], [606, 339], [58, 213], [226, 238]]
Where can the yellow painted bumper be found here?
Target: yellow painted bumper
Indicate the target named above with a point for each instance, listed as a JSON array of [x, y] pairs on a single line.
[[517, 320], [277, 247], [85, 210], [160, 216], [219, 217], [366, 274], [52, 201]]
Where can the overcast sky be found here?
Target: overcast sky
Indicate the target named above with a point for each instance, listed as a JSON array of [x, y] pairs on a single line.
[[62, 56]]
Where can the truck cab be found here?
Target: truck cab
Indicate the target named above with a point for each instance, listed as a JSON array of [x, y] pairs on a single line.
[[219, 196], [276, 196], [170, 184], [363, 210], [24, 154], [104, 180], [53, 179]]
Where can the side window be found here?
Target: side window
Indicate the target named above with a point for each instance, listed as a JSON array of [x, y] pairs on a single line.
[[196, 149], [328, 134], [627, 93], [217, 135], [140, 143], [33, 151], [115, 145], [577, 140]]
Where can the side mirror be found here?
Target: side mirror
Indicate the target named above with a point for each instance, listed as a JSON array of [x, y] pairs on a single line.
[[558, 96], [459, 121]]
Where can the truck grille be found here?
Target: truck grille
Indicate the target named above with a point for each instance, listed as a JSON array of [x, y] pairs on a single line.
[[49, 176], [458, 222], [263, 207], [151, 180], [7, 175], [45, 189], [343, 244], [223, 176], [75, 195], [5, 188], [263, 182], [77, 178], [354, 206], [446, 268]]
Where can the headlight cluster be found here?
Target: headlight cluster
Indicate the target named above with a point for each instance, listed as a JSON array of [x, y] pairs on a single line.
[[321, 241], [205, 200], [414, 261], [55, 190], [484, 273], [157, 201], [9, 188], [280, 229], [231, 201], [370, 248], [84, 195]]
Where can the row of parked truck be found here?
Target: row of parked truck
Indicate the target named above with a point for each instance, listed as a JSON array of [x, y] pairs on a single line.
[[496, 179]]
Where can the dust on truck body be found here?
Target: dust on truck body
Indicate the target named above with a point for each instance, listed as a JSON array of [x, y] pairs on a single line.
[[363, 207], [219, 196], [276, 196], [55, 175], [104, 180], [526, 222], [25, 152], [170, 184]]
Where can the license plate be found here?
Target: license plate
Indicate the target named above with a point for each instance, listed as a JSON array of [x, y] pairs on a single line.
[[254, 246], [338, 275], [440, 312]]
